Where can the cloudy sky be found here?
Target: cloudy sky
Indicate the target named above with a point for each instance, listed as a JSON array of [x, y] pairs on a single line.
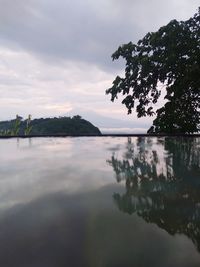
[[55, 55]]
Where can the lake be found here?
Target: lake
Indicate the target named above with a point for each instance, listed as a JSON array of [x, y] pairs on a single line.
[[100, 202]]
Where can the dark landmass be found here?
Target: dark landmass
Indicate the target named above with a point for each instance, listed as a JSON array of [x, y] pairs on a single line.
[[54, 126]]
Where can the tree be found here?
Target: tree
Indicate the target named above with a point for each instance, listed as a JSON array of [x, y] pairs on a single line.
[[170, 59]]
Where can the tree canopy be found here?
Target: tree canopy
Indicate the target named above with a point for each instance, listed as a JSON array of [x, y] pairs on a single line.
[[169, 60], [48, 126]]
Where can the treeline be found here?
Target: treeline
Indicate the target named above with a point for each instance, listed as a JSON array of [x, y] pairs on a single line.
[[48, 126]]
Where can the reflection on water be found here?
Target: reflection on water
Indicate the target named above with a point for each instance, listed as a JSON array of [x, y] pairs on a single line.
[[113, 202], [162, 189]]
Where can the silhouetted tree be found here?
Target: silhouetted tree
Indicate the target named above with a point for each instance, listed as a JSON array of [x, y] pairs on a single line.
[[168, 57]]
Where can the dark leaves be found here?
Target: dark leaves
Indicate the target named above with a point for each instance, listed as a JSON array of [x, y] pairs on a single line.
[[170, 56]]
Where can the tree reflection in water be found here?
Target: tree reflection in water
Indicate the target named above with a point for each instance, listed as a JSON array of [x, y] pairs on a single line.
[[162, 183]]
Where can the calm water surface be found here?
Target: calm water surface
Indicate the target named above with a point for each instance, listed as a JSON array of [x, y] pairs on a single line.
[[100, 202]]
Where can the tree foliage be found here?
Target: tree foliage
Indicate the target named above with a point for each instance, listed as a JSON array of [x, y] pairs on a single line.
[[170, 59], [50, 126]]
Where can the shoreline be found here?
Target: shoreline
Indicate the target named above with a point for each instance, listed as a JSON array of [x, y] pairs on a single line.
[[102, 135]]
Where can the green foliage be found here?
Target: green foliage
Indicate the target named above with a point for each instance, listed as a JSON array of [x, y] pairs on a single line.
[[5, 132], [51, 126], [28, 128], [16, 126], [169, 57], [64, 126]]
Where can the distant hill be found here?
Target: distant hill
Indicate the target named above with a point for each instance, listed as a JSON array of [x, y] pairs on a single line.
[[113, 125], [54, 126]]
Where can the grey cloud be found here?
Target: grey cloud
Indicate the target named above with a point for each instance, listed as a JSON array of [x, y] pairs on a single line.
[[62, 32], [85, 31]]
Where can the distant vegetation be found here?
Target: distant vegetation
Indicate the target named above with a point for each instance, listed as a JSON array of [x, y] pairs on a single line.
[[49, 126], [13, 127]]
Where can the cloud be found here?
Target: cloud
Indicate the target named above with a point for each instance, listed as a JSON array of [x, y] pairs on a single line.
[[47, 90], [55, 55], [83, 31]]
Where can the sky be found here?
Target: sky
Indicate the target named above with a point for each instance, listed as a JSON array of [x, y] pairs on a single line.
[[55, 55]]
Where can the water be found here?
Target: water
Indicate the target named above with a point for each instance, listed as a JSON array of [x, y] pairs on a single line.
[[100, 202]]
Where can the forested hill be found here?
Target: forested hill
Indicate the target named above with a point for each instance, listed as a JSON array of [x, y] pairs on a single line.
[[53, 126]]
